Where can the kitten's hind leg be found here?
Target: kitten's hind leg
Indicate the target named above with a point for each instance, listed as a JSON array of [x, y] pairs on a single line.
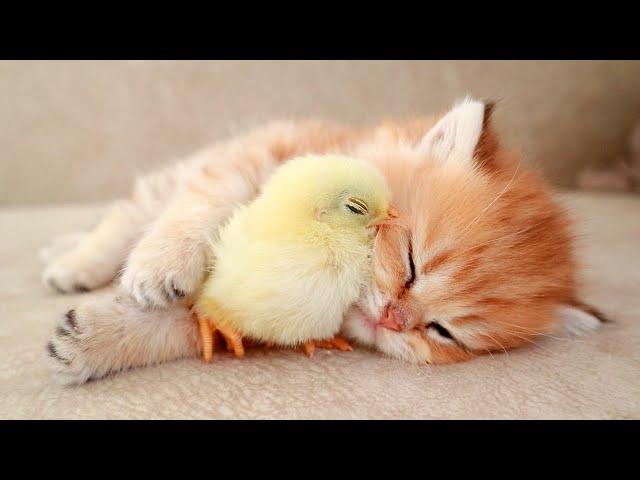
[[111, 333], [98, 256], [60, 245]]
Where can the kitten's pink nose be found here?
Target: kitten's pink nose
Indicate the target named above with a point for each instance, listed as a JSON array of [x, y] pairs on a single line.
[[392, 319]]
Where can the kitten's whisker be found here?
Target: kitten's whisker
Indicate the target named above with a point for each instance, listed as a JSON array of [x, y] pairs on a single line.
[[495, 340], [546, 349], [541, 333], [507, 352], [485, 209]]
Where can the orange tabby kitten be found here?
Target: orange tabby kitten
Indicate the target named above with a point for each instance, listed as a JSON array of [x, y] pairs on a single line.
[[480, 260]]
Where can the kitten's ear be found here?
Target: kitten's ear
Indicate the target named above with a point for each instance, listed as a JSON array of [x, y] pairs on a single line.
[[462, 134]]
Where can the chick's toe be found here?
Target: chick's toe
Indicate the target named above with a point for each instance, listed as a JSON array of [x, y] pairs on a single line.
[[335, 342]]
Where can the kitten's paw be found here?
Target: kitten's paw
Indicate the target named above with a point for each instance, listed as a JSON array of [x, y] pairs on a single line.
[[71, 272], [158, 275], [578, 320], [66, 351], [59, 245], [108, 334]]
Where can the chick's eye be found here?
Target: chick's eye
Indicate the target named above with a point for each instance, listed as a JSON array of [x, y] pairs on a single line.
[[443, 332], [357, 206], [354, 210]]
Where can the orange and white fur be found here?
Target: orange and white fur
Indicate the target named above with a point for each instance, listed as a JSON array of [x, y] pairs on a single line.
[[481, 262]]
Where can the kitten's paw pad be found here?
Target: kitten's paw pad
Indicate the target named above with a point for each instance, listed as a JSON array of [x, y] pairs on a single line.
[[156, 281], [59, 245], [65, 352], [71, 273]]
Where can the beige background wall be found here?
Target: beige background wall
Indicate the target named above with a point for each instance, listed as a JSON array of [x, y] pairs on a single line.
[[79, 131]]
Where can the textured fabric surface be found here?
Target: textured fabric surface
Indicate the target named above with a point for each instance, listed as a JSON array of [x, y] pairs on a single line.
[[594, 377], [77, 131]]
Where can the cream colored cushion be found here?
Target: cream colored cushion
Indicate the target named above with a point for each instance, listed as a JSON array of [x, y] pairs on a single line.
[[78, 131]]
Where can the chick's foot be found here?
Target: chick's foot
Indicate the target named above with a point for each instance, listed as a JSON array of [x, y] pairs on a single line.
[[207, 335], [336, 342]]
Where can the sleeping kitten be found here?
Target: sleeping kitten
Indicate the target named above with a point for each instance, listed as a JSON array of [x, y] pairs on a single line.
[[482, 260]]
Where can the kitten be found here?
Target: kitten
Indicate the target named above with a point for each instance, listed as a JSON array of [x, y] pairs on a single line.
[[481, 259]]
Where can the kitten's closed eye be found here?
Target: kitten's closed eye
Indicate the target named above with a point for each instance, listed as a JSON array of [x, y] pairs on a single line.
[[412, 269], [440, 330]]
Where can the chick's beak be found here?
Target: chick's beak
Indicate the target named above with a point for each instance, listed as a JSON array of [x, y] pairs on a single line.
[[390, 214]]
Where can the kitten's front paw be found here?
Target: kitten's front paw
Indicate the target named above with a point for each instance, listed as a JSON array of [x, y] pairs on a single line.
[[73, 272], [157, 274]]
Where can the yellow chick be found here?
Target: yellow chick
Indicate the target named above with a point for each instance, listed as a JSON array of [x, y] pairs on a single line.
[[288, 265]]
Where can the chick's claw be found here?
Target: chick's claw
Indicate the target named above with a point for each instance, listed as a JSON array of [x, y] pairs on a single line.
[[207, 330], [233, 339]]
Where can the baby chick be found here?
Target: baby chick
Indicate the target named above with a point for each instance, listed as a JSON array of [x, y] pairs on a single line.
[[288, 265]]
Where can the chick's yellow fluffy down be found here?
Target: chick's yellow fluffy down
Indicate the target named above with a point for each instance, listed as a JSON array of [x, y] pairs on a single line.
[[289, 265]]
